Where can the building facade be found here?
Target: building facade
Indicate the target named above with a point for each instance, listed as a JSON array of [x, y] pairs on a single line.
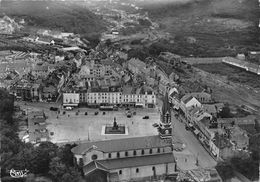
[[113, 98], [128, 159]]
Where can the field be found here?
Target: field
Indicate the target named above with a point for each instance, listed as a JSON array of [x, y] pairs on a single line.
[[209, 28], [233, 74]]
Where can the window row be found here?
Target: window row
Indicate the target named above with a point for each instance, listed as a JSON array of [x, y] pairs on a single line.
[[136, 170], [159, 150]]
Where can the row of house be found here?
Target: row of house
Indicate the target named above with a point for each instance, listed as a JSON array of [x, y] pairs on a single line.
[[37, 128], [147, 99], [221, 141]]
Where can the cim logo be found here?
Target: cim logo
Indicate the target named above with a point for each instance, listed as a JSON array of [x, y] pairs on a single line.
[[18, 173]]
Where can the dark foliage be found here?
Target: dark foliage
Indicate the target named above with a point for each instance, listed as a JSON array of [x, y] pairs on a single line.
[[65, 16], [225, 170]]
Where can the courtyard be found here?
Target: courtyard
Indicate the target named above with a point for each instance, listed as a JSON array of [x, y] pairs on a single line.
[[72, 127]]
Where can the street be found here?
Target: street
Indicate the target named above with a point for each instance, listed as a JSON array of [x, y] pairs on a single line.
[[193, 146]]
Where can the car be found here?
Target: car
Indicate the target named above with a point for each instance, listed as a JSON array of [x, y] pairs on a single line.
[[68, 108], [54, 108], [155, 125], [104, 113], [146, 117], [96, 113], [127, 109], [134, 113], [86, 113], [187, 128]]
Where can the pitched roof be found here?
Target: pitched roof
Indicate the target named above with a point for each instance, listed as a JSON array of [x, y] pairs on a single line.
[[147, 160], [185, 100], [123, 144]]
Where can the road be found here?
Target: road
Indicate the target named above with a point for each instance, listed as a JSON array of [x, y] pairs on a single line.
[[193, 146]]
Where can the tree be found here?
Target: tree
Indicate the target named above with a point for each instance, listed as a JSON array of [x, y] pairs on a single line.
[[225, 112], [66, 155], [61, 173], [225, 170]]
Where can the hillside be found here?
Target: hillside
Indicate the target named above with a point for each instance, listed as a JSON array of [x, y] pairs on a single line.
[[208, 27], [59, 15]]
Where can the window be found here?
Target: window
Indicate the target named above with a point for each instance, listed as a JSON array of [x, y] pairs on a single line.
[[118, 154], [151, 151], [158, 150], [94, 157], [134, 152], [137, 170], [126, 154], [120, 171], [142, 152], [109, 155]]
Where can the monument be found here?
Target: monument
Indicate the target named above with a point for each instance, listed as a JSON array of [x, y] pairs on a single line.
[[115, 128]]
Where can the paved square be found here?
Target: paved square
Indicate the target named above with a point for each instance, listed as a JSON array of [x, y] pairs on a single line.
[[71, 127]]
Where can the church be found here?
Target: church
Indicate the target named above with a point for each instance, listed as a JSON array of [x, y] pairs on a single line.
[[130, 159]]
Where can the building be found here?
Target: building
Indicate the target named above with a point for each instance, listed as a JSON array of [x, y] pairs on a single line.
[[70, 99], [202, 97], [204, 175], [221, 147], [147, 99], [188, 101], [37, 128], [136, 66], [127, 159]]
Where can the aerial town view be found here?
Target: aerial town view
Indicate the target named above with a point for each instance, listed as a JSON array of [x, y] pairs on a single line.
[[130, 90]]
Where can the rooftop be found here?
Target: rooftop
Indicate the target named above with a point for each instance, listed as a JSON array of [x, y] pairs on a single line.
[[133, 161], [124, 144]]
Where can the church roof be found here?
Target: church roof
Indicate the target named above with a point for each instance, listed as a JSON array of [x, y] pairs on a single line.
[[123, 144], [128, 162]]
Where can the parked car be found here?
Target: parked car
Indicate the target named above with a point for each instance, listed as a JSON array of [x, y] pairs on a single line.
[[104, 113], [146, 117], [54, 108], [96, 113], [127, 109], [86, 113], [134, 113], [187, 128], [155, 125], [68, 108]]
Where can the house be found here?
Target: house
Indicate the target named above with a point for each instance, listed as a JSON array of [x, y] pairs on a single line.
[[221, 147], [171, 58], [136, 66], [212, 109], [174, 98], [202, 97], [70, 99], [188, 101], [205, 175], [37, 128], [136, 158], [41, 71], [49, 93]]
